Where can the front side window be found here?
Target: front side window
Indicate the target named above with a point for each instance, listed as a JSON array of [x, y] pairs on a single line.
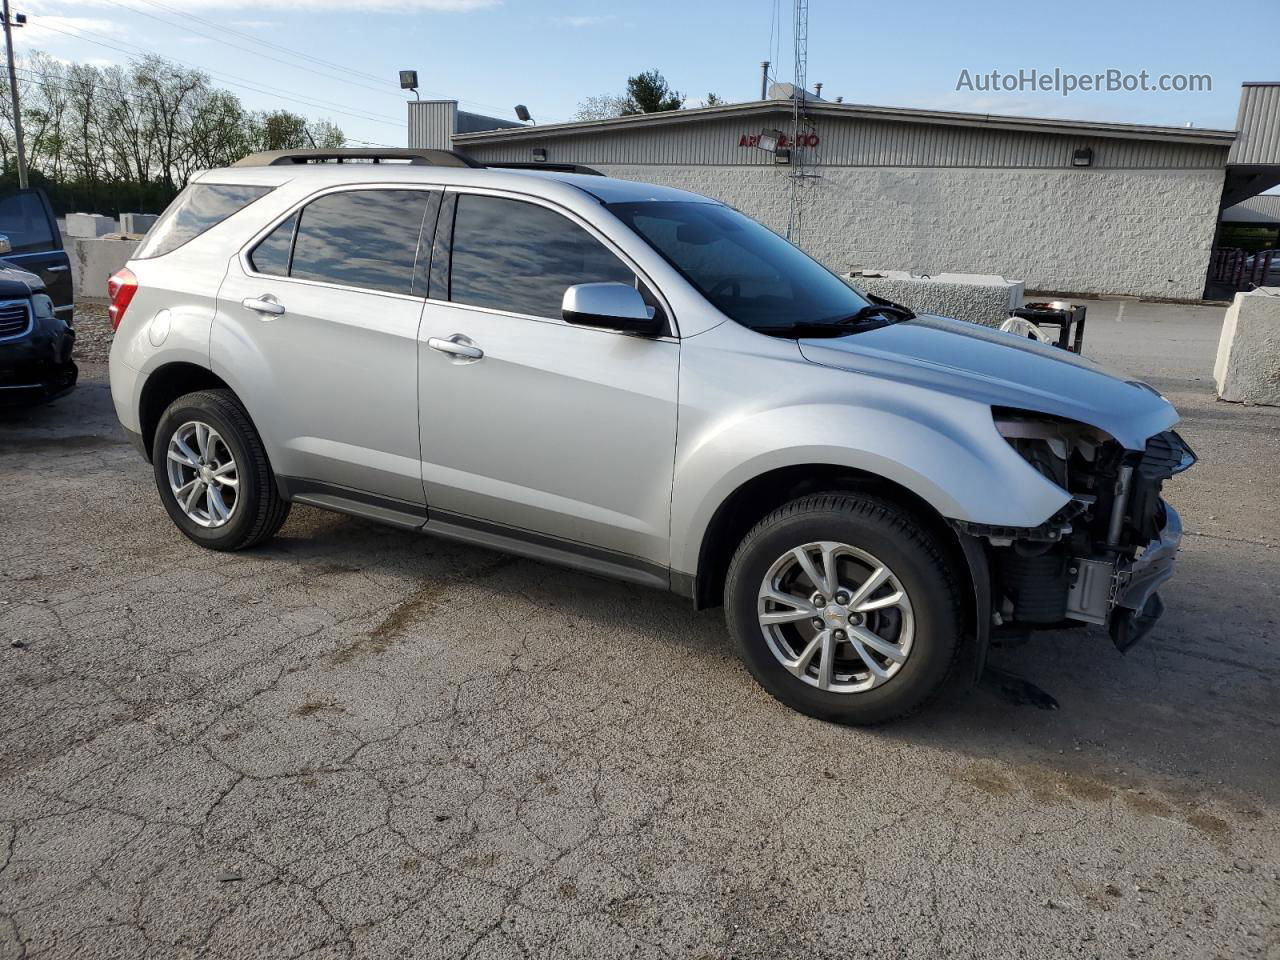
[[196, 209], [361, 238], [519, 257], [743, 268]]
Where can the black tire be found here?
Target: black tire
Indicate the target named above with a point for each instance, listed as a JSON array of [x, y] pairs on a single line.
[[889, 534], [259, 511]]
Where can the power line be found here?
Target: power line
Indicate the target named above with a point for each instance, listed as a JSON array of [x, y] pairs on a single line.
[[241, 47], [281, 47], [233, 81]]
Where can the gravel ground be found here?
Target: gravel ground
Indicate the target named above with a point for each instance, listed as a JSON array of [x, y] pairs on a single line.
[[359, 742], [93, 332]]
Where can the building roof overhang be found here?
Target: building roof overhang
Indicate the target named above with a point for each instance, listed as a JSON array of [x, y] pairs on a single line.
[[853, 111]]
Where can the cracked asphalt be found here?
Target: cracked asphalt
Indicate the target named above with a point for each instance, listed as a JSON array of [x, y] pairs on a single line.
[[359, 742]]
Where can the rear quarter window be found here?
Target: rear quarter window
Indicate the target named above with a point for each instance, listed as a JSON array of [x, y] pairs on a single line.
[[198, 208]]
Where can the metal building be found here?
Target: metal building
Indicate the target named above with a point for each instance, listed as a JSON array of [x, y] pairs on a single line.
[[1072, 207]]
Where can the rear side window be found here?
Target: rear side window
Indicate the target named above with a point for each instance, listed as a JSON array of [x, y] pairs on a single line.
[[520, 257], [198, 208], [361, 238], [24, 221], [271, 256]]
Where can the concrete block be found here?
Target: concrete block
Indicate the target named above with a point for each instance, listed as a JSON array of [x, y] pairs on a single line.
[[978, 298], [94, 260], [1247, 369], [138, 223], [89, 225]]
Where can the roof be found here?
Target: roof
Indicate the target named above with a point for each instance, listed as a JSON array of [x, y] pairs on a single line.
[[855, 111], [604, 189], [1264, 209]]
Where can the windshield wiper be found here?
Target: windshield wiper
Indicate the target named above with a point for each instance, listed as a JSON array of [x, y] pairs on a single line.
[[803, 330], [893, 312]]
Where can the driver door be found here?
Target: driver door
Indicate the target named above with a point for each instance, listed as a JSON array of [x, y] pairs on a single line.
[[541, 430]]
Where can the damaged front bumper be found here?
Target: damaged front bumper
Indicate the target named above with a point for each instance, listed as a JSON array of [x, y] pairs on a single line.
[[1132, 604]]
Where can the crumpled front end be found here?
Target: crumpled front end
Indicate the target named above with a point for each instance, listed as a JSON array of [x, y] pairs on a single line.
[[1104, 556]]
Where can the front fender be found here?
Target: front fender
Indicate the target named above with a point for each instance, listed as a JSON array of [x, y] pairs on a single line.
[[946, 450]]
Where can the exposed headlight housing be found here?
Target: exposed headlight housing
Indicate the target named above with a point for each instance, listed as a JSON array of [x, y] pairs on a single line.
[[1047, 442]]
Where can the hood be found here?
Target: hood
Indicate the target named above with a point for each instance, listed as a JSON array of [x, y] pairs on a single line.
[[16, 283], [966, 359]]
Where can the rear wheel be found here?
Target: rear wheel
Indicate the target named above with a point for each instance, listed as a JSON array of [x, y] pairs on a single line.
[[843, 608], [212, 473]]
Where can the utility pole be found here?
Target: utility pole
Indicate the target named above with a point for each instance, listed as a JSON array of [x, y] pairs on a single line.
[[13, 92], [764, 79]]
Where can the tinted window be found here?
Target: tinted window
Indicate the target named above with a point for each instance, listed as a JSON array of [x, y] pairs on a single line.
[[520, 257], [24, 221], [272, 254], [745, 269], [194, 211], [361, 238]]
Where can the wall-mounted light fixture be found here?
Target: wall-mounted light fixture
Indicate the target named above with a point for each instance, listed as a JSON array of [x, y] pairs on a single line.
[[540, 154], [769, 140], [1083, 157], [782, 155]]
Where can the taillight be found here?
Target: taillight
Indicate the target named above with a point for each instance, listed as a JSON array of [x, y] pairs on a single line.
[[120, 289]]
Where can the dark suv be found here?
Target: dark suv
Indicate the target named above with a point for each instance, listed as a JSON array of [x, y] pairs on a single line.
[[36, 301]]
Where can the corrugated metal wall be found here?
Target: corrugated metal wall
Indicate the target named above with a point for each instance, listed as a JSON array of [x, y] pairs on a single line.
[[432, 123], [855, 143], [1259, 125]]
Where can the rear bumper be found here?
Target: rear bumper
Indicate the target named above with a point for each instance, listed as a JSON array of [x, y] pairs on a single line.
[[38, 366]]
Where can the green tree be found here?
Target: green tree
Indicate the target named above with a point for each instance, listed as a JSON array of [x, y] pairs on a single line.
[[714, 101], [648, 92]]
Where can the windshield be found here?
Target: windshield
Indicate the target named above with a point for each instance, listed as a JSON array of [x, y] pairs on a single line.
[[746, 270]]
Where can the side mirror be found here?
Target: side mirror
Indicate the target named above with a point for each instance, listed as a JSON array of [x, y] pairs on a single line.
[[5, 245], [610, 306]]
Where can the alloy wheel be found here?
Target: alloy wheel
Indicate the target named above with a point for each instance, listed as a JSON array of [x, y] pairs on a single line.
[[203, 474], [836, 617]]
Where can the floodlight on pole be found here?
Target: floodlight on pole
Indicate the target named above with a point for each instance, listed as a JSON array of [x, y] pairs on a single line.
[[409, 81]]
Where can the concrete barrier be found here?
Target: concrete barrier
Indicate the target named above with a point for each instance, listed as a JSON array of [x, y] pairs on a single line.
[[978, 298], [137, 223], [1248, 366], [88, 225], [94, 260]]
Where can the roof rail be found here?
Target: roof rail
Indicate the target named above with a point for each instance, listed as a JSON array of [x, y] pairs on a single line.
[[543, 165], [416, 158]]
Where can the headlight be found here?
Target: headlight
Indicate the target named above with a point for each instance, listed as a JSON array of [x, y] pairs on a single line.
[[1048, 443], [42, 306]]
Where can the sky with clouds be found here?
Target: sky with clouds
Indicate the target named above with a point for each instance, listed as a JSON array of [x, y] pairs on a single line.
[[339, 60]]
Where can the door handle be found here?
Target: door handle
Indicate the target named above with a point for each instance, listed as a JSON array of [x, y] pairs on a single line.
[[61, 269], [456, 346], [263, 305]]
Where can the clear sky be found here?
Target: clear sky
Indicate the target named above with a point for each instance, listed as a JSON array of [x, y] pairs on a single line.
[[549, 54]]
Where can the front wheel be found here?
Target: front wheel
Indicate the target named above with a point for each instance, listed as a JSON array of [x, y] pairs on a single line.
[[212, 473], [843, 608]]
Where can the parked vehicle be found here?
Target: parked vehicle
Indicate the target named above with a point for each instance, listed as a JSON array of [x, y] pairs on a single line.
[[644, 383], [36, 302]]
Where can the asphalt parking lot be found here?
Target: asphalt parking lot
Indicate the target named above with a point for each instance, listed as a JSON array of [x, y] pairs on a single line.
[[359, 742]]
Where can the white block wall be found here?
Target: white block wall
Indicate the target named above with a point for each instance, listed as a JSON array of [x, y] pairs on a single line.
[[1139, 232]]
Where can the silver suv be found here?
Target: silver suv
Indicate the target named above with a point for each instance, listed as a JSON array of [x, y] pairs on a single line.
[[642, 383]]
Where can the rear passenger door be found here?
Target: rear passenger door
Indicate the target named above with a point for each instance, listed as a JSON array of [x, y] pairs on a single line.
[[26, 218], [317, 331]]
